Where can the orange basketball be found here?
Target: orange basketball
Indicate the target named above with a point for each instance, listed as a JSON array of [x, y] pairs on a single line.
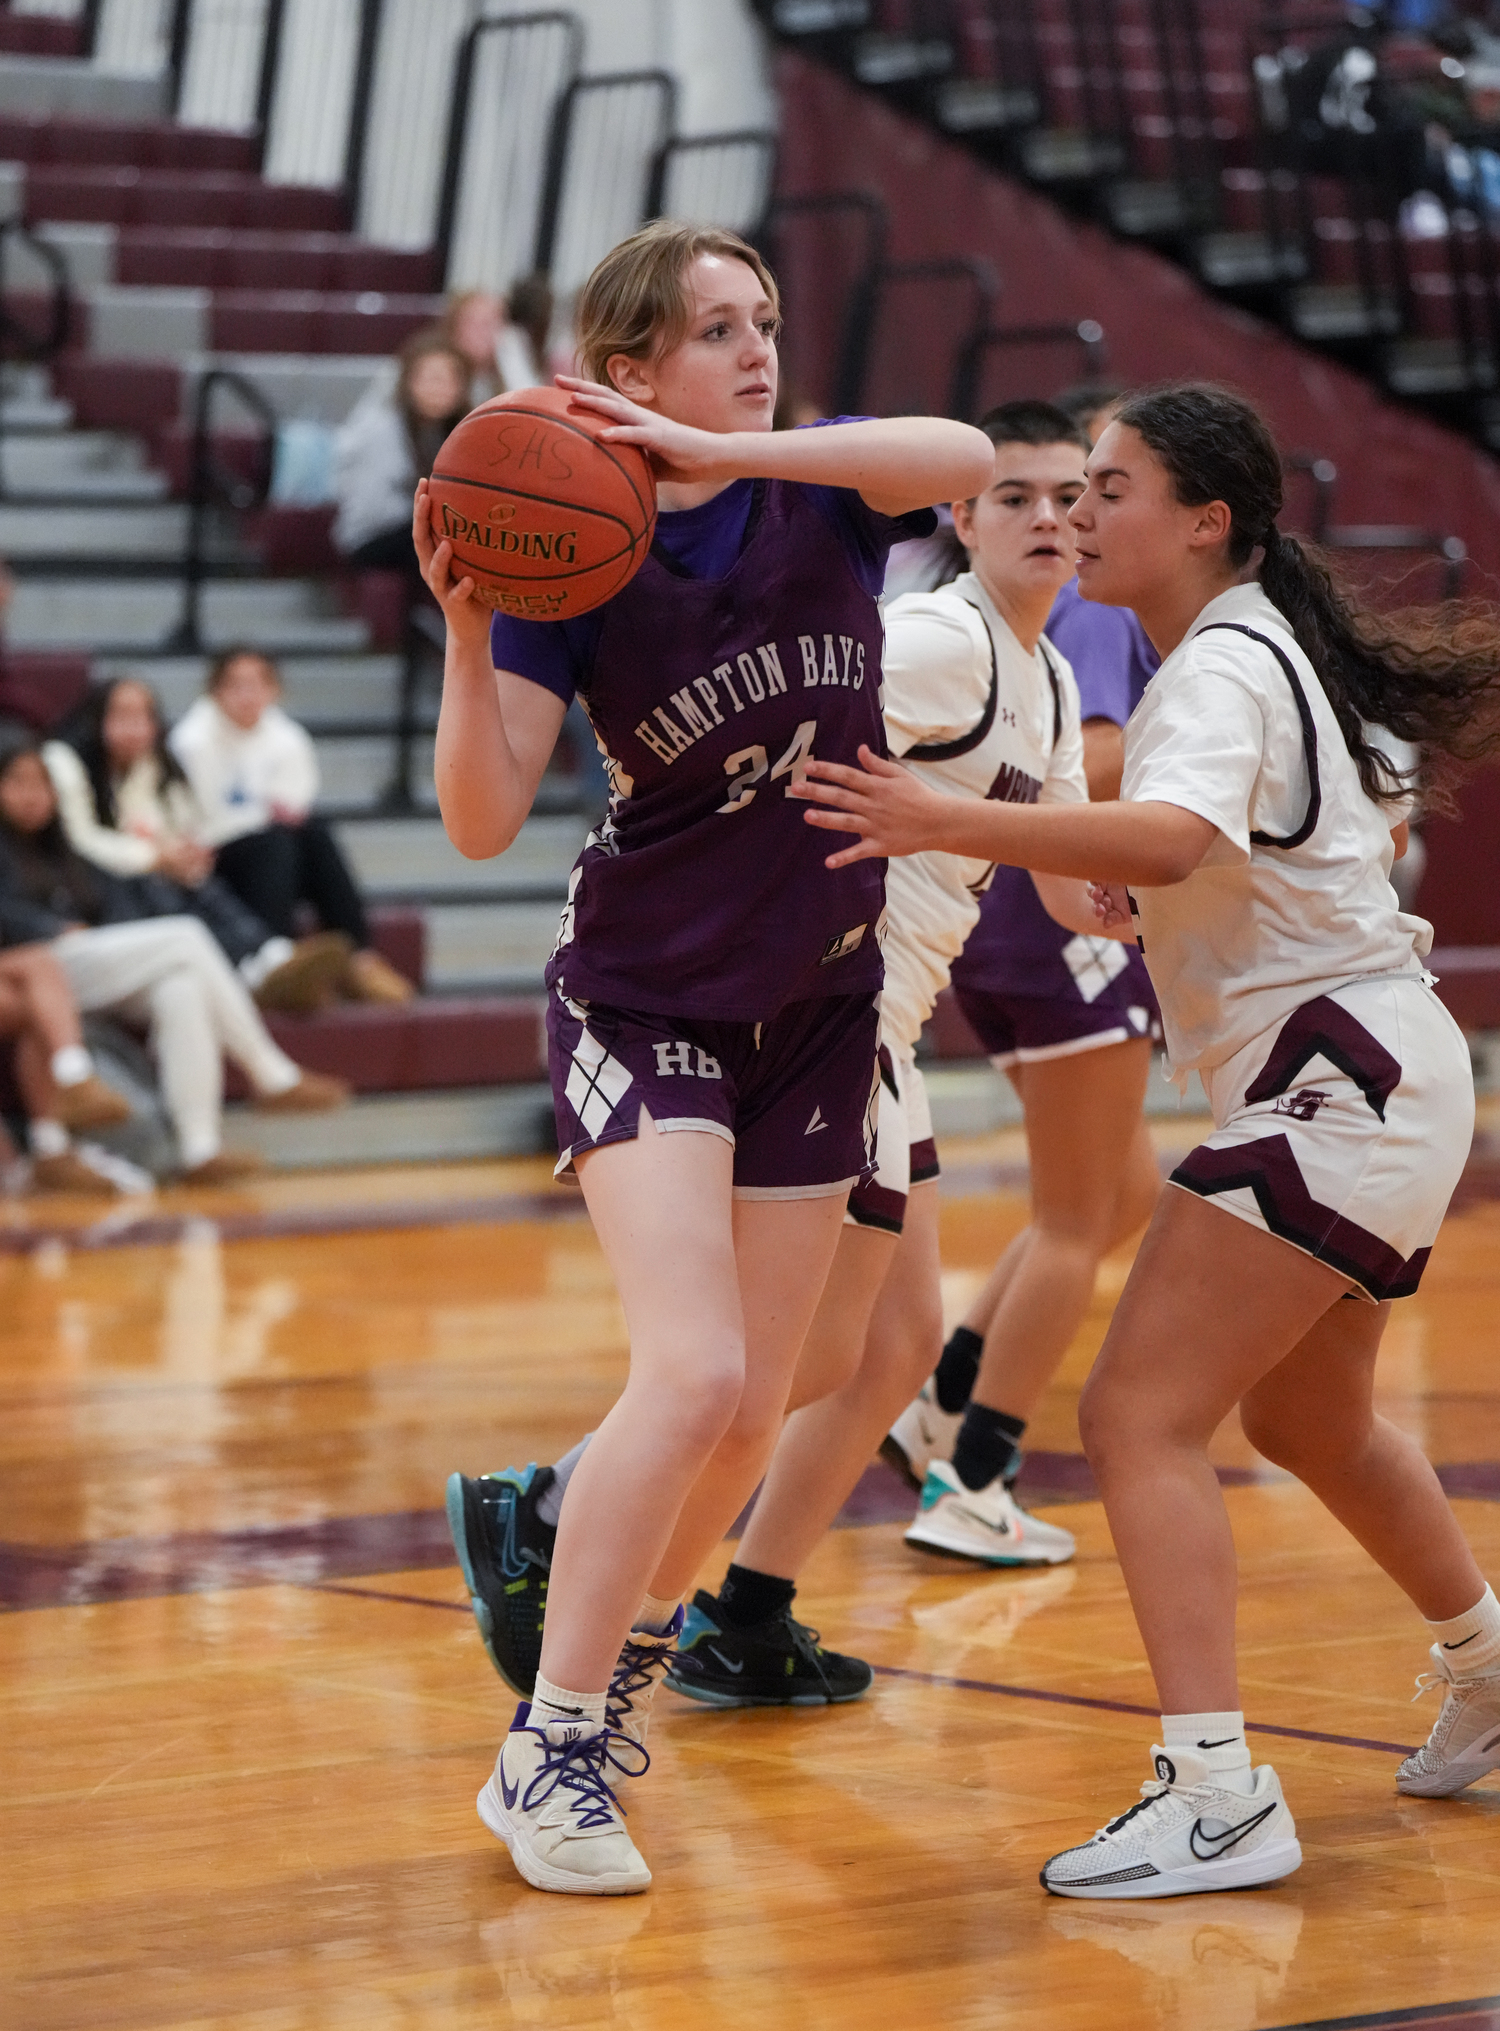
[[545, 519]]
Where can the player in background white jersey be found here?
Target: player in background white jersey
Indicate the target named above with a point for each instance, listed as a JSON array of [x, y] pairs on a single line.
[[1256, 831]]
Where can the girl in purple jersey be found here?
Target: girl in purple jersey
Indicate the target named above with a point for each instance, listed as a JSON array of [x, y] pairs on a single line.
[[712, 1012], [1256, 829]]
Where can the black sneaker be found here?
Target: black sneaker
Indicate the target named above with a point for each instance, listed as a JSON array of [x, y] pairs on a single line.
[[778, 1663], [505, 1551]]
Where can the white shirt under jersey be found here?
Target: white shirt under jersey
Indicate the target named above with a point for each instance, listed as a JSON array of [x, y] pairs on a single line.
[[1257, 930], [938, 669]]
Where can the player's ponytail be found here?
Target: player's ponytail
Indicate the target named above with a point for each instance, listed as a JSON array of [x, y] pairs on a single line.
[[1429, 675]]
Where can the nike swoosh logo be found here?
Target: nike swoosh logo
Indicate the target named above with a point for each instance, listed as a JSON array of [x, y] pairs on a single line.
[[1468, 1639], [735, 1668], [1224, 1744], [509, 1792], [1218, 1844]]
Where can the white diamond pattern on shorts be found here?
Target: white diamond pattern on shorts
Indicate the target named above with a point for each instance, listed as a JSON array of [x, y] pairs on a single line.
[[1094, 963], [596, 1084]]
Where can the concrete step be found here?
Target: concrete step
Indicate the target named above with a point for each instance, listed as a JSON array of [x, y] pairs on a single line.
[[122, 615], [106, 465], [126, 322], [414, 856], [129, 196], [324, 689], [481, 1121], [154, 531], [44, 414], [357, 770], [502, 947], [46, 87]]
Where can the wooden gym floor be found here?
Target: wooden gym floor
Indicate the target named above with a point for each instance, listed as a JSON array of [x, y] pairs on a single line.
[[244, 1713]]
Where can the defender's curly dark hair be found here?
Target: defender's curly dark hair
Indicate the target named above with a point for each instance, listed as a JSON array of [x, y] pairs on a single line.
[[1429, 674]]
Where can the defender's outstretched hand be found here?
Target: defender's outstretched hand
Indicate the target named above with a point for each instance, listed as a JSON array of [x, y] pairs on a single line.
[[893, 813]]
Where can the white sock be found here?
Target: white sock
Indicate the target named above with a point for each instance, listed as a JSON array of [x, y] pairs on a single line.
[[656, 1614], [72, 1065], [1219, 1739], [1471, 1641], [47, 1138], [555, 1703], [254, 969], [549, 1504]]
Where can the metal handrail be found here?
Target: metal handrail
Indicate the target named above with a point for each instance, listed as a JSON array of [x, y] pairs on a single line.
[[462, 106], [559, 144], [859, 311], [32, 347], [944, 268], [1331, 535], [1088, 333], [211, 485], [690, 144]]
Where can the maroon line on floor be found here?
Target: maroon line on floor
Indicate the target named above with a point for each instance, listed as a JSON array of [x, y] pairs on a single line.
[[416, 1540], [1061, 1699], [1477, 2013]]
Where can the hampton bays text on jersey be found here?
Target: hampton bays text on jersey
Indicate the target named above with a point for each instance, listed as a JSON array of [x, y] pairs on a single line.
[[753, 676]]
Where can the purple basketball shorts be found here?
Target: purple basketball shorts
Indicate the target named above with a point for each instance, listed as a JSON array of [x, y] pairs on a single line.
[[1025, 1029], [905, 1152], [1343, 1130], [794, 1096]]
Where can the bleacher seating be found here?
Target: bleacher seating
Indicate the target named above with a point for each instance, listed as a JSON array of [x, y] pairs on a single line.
[[163, 210]]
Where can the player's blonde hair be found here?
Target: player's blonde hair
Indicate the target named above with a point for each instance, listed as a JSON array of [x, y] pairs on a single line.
[[636, 302]]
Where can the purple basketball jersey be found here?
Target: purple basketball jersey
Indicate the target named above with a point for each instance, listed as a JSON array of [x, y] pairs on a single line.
[[706, 893]]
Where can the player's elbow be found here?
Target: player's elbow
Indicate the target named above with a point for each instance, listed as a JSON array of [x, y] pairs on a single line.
[[973, 462], [1174, 846]]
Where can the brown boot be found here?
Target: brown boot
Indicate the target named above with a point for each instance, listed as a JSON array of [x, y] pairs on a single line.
[[229, 1167], [69, 1173], [371, 977], [90, 1104], [309, 979], [314, 1093]]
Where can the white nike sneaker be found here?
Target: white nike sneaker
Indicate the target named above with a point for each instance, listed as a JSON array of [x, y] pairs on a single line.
[[549, 1800], [639, 1670], [1187, 1835], [924, 1432], [1465, 1740], [984, 1523]]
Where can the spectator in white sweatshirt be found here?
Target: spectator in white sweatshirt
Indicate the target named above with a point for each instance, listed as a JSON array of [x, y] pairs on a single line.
[[254, 773]]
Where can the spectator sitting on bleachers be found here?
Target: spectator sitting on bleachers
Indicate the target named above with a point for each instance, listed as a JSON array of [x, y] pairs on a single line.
[[254, 773], [166, 973], [59, 1088], [504, 340], [127, 806], [387, 444]]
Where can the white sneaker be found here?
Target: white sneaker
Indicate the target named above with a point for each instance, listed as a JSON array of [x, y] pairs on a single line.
[[924, 1432], [639, 1670], [984, 1523], [1187, 1834], [1465, 1740], [550, 1802]]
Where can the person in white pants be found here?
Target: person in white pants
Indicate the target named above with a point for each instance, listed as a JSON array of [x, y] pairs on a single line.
[[170, 975], [166, 972]]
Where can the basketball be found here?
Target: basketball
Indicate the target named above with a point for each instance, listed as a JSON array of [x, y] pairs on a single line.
[[547, 521]]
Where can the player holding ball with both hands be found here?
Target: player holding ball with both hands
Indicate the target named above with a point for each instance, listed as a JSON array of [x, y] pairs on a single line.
[[712, 1016]]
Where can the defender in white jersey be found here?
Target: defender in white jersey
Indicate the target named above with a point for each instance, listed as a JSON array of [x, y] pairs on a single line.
[[1255, 836]]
